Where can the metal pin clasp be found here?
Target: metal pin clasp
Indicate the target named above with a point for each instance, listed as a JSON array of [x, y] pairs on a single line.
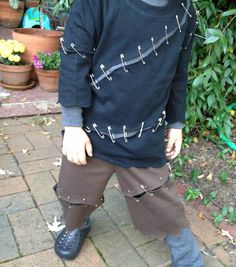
[[62, 45], [177, 19], [189, 39], [106, 73], [143, 187], [141, 55], [141, 130], [154, 49], [125, 134], [159, 123], [95, 128], [166, 32], [111, 134], [122, 57], [186, 10], [94, 81], [73, 46], [87, 129]]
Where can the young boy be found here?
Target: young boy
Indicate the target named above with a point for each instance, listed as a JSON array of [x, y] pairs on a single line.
[[123, 79]]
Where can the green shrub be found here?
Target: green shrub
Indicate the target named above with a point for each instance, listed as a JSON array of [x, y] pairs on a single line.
[[212, 75]]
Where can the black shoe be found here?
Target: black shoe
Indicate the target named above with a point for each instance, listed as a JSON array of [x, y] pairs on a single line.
[[68, 244]]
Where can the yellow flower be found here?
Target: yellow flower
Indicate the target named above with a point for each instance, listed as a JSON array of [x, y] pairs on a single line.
[[17, 58], [22, 48], [5, 54], [11, 58], [16, 48]]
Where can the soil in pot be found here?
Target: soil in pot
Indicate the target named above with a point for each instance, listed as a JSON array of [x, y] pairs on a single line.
[[10, 17], [48, 80]]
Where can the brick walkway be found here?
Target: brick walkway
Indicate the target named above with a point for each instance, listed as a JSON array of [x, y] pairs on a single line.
[[27, 156]]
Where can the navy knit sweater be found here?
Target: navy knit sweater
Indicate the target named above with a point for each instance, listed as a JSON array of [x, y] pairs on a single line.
[[125, 62]]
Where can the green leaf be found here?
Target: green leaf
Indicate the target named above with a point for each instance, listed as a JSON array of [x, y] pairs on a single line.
[[224, 210], [211, 39], [229, 13]]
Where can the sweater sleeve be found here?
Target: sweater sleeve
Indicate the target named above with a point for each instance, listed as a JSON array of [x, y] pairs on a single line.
[[176, 105], [77, 48]]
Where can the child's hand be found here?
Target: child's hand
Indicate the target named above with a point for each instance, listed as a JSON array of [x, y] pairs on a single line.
[[174, 143], [76, 144]]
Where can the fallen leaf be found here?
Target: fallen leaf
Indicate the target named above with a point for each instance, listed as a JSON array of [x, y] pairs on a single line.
[[58, 162], [5, 123], [190, 161], [2, 172], [4, 95], [10, 174], [49, 123], [23, 99], [227, 234], [195, 140], [46, 133], [5, 137], [200, 176], [201, 215], [209, 176], [56, 226], [25, 150], [233, 156]]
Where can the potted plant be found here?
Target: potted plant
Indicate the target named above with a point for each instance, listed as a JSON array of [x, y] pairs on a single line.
[[47, 66], [15, 72], [11, 13]]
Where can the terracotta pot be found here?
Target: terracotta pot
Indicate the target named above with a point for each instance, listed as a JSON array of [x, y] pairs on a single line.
[[37, 40], [16, 75], [48, 80], [31, 3], [10, 17]]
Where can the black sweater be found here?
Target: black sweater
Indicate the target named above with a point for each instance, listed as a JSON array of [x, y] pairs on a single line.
[[125, 62]]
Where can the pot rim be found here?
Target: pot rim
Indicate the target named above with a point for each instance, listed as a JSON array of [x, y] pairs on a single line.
[[26, 66], [38, 32]]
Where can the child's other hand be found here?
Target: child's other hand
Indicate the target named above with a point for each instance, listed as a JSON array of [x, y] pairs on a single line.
[[76, 144], [174, 143]]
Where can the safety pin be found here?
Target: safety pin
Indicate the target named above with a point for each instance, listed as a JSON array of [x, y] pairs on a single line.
[[62, 45], [125, 134], [73, 46], [164, 114], [154, 129], [102, 68], [189, 39], [177, 19], [141, 56], [141, 130], [95, 128], [152, 39], [87, 129], [122, 56], [167, 40], [111, 135], [94, 82], [143, 187], [186, 10]]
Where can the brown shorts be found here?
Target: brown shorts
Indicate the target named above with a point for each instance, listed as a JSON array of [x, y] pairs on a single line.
[[150, 194]]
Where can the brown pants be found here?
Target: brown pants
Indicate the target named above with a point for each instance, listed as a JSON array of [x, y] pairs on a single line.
[[150, 194]]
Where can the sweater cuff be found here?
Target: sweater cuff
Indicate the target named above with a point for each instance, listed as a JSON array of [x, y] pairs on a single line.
[[72, 116], [176, 125]]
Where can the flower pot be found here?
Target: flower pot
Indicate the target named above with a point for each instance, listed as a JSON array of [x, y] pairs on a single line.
[[10, 17], [16, 75], [48, 79], [31, 3], [37, 40]]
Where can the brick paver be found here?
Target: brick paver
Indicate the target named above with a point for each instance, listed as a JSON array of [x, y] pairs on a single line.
[[45, 258], [41, 185], [30, 231], [113, 240], [12, 185]]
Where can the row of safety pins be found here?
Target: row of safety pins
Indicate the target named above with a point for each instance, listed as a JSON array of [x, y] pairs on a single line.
[[122, 56], [125, 133]]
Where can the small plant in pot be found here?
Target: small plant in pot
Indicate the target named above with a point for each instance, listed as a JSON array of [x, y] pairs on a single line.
[[47, 66], [15, 73]]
